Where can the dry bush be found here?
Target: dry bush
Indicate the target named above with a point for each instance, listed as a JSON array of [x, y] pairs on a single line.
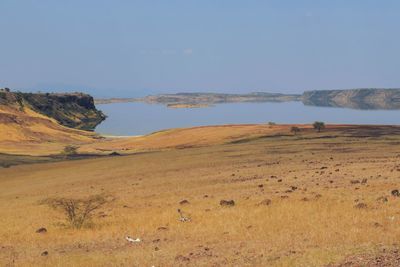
[[70, 150], [319, 125], [295, 130], [79, 211]]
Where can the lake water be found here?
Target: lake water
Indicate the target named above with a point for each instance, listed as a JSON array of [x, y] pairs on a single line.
[[142, 118]]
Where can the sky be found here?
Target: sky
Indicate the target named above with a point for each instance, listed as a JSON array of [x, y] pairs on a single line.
[[130, 48]]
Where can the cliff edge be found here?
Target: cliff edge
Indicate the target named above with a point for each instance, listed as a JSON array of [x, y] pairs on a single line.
[[73, 110]]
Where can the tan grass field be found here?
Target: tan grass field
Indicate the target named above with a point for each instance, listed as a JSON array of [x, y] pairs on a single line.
[[30, 133], [314, 181]]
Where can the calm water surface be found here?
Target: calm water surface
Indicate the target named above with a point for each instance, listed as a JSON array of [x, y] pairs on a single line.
[[141, 118]]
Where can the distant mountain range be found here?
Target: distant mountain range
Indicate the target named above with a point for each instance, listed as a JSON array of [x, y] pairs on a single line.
[[365, 98], [371, 98]]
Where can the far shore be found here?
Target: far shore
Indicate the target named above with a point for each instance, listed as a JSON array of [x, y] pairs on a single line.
[[362, 98]]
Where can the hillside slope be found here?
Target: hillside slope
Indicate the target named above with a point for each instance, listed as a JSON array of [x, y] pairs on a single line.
[[305, 200], [22, 127]]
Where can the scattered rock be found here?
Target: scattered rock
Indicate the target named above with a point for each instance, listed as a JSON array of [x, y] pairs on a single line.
[[395, 193], [183, 202], [41, 230], [304, 199], [378, 225], [162, 228], [227, 203], [361, 206], [102, 215], [182, 258], [317, 196], [354, 181], [386, 258], [260, 186], [265, 202], [45, 253], [382, 199], [364, 181], [114, 154]]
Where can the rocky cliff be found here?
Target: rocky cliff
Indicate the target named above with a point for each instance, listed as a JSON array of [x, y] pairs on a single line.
[[74, 110], [371, 98]]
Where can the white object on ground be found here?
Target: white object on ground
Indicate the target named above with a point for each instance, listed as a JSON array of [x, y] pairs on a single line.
[[182, 217], [131, 240]]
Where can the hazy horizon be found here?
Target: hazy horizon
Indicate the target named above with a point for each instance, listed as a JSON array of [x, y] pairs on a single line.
[[138, 48]]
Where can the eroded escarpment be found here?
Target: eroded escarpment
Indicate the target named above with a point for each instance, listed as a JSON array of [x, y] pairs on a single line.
[[74, 110]]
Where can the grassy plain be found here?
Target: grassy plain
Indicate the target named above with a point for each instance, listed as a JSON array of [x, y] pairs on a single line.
[[297, 199]]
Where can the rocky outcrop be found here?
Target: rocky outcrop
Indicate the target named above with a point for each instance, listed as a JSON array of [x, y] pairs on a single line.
[[370, 98], [74, 110]]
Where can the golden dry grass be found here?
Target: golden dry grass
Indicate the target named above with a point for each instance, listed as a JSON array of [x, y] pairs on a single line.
[[30, 133], [313, 225]]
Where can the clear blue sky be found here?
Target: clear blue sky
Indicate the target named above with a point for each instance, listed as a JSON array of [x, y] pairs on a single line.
[[137, 47]]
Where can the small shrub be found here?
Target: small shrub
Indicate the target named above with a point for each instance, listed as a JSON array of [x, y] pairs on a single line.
[[70, 150], [78, 211], [5, 165], [319, 125], [295, 130]]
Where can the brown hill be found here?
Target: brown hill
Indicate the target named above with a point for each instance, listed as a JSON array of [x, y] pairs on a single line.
[[23, 126]]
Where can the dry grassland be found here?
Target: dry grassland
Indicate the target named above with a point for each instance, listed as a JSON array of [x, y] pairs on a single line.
[[295, 199]]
